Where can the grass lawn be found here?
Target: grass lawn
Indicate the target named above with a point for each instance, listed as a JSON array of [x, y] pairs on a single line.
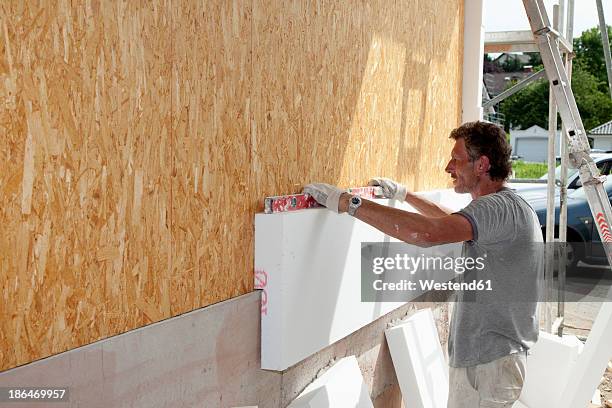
[[529, 170]]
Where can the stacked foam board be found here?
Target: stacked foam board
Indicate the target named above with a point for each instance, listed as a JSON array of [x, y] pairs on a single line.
[[308, 264], [419, 362], [591, 364], [341, 386], [549, 365], [562, 372]]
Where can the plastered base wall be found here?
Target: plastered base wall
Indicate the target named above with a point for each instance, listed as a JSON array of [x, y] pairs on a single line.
[[208, 358]]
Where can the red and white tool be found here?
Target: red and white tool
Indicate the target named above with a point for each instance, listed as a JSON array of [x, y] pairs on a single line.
[[296, 202]]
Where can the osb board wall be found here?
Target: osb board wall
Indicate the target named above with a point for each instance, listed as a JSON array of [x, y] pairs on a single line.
[[139, 138], [349, 90], [86, 174]]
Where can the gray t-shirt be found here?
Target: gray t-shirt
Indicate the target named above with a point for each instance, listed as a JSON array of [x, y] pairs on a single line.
[[487, 325]]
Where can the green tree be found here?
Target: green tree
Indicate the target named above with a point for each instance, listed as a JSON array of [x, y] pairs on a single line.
[[590, 57], [589, 83], [528, 107], [534, 58], [594, 105]]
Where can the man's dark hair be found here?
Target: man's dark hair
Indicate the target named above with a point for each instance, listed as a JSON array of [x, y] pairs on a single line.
[[486, 139]]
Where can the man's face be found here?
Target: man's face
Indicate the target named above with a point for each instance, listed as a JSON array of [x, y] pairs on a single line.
[[461, 169]]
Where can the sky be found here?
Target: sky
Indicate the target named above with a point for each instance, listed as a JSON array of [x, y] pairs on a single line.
[[504, 15]]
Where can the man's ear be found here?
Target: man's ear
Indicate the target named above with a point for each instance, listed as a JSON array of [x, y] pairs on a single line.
[[483, 165]]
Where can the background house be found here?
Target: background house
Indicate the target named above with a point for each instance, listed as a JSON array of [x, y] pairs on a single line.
[[505, 58], [601, 136], [498, 82]]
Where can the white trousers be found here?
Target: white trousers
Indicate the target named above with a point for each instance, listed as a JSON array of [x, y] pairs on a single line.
[[497, 384]]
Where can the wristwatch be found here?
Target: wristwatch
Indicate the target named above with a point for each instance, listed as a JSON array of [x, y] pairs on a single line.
[[354, 204]]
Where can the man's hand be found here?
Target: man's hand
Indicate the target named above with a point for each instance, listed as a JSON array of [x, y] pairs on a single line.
[[325, 194], [391, 189]]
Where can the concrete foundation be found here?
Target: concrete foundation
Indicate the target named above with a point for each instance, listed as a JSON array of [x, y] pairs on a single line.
[[207, 358]]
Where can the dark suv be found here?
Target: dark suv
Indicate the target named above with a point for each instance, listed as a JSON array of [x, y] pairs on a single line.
[[582, 235]]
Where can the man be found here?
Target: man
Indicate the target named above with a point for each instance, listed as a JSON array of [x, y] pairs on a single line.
[[490, 332]]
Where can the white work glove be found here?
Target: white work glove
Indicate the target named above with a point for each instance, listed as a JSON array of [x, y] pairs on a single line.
[[325, 194], [391, 189]]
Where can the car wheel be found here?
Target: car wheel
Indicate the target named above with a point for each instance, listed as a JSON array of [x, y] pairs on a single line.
[[575, 252]]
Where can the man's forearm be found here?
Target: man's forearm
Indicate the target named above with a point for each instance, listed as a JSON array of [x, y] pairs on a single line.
[[426, 207], [412, 228], [409, 227]]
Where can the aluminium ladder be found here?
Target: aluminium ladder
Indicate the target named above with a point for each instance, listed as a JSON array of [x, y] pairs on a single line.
[[578, 146]]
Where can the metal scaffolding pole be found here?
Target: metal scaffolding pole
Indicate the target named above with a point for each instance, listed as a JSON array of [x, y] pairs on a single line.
[[550, 199], [559, 322], [606, 43]]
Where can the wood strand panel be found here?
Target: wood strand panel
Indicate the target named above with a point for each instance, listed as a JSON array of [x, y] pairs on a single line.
[[85, 150], [410, 92], [212, 226], [347, 91], [307, 68], [139, 138]]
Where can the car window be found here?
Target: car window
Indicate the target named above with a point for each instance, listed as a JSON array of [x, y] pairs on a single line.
[[581, 194], [604, 167], [570, 173]]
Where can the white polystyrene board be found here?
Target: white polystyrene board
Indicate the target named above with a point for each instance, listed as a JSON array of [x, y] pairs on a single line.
[[341, 386], [419, 361], [448, 198], [592, 362], [308, 264], [272, 289], [596, 398], [551, 354]]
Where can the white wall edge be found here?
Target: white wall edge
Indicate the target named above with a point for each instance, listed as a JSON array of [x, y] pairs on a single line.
[[473, 59]]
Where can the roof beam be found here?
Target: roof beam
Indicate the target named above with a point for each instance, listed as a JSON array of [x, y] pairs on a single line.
[[510, 41], [517, 41]]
